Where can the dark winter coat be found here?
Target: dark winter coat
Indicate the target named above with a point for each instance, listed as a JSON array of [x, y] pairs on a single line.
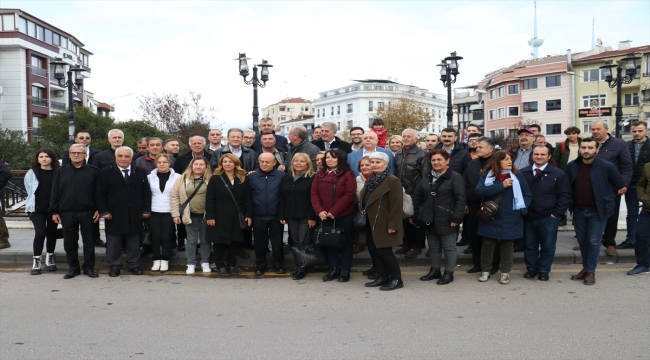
[[472, 175], [644, 158], [73, 189], [605, 180], [552, 194], [65, 160], [278, 152], [125, 202], [410, 166], [336, 144], [384, 211], [322, 191], [508, 224], [183, 161], [248, 159], [617, 152], [446, 206], [295, 201], [304, 147], [265, 193], [458, 159], [281, 142], [106, 158], [219, 206]]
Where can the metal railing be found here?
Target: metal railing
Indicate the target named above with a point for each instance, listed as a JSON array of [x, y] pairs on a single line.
[[39, 101], [55, 105], [39, 71], [14, 196]]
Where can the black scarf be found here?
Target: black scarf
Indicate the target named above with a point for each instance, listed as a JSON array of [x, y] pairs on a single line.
[[371, 184]]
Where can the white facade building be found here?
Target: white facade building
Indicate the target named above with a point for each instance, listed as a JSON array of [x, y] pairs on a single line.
[[357, 104]]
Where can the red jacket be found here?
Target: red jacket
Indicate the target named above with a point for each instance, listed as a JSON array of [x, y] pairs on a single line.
[[322, 190], [381, 136]]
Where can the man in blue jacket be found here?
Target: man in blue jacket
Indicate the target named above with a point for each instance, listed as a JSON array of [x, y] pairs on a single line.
[[369, 145], [551, 198], [595, 183], [265, 189]]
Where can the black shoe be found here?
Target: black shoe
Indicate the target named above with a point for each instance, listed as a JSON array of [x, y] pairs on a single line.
[[369, 271], [136, 271], [259, 272], [334, 273], [115, 272], [279, 271], [530, 274], [463, 241], [543, 277], [71, 273], [474, 269], [223, 271], [625, 245], [99, 243], [181, 246], [234, 270], [446, 278], [377, 282], [373, 276], [468, 251], [345, 276], [91, 273], [300, 274], [392, 285], [433, 274], [494, 270]]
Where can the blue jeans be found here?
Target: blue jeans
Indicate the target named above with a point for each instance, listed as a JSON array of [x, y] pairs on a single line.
[[589, 230], [642, 248], [540, 237], [632, 204]]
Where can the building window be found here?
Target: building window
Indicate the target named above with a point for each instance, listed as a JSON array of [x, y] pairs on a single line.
[[56, 39], [586, 127], [631, 99], [332, 111], [500, 91], [349, 108], [589, 101], [31, 29], [35, 125], [338, 109], [37, 62], [501, 113], [491, 112], [302, 108], [380, 105], [592, 75], [553, 105], [553, 129], [318, 113], [40, 33], [22, 25], [283, 117], [379, 87], [513, 111], [48, 36], [64, 42], [530, 106], [552, 81], [492, 95], [512, 133], [283, 108], [513, 89], [530, 84], [492, 134], [370, 106], [8, 22], [350, 124], [502, 133]]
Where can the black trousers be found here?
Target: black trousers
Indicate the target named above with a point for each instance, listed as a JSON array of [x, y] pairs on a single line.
[[233, 250], [612, 225], [475, 240], [114, 250], [161, 226], [413, 236], [72, 221], [266, 231], [181, 234], [44, 228], [248, 239], [384, 259]]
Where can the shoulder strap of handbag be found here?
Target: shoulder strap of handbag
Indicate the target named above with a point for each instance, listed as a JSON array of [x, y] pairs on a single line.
[[498, 198], [230, 192], [194, 193], [437, 185]]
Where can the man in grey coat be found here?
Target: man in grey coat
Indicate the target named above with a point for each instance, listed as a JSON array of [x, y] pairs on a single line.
[[299, 143]]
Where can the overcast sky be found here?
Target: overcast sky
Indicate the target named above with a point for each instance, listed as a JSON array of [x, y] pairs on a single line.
[[183, 46]]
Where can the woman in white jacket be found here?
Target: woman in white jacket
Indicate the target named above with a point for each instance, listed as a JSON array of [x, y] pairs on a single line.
[[161, 223]]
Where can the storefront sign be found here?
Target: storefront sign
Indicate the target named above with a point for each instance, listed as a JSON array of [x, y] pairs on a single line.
[[587, 113]]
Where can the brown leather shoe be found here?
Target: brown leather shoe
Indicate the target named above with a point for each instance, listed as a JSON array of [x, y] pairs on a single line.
[[576, 248], [590, 278], [403, 250], [579, 276], [359, 248], [413, 253], [610, 250]]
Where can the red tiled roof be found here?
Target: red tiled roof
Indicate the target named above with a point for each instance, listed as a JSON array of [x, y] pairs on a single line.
[[614, 53]]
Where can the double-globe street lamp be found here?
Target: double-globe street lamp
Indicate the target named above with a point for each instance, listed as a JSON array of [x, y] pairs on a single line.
[[630, 71], [261, 82], [449, 68], [75, 82]]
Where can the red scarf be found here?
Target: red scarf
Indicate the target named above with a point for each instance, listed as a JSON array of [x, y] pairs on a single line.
[[503, 176]]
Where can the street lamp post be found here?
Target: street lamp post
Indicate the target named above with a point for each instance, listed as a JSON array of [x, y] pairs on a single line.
[[447, 70], [75, 83], [630, 71], [261, 82]]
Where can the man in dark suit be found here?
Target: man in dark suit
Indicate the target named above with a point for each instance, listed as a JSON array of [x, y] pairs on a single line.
[[267, 127], [106, 158], [123, 200], [197, 148], [82, 137], [329, 140]]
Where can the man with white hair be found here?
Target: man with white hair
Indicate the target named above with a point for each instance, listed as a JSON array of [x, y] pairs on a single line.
[[106, 158], [329, 140], [197, 148], [369, 143], [72, 205]]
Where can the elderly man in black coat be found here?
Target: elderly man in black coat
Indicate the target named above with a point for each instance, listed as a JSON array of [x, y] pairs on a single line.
[[123, 199]]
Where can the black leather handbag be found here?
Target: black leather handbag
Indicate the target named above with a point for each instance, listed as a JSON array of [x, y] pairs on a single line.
[[489, 209], [328, 236], [308, 255]]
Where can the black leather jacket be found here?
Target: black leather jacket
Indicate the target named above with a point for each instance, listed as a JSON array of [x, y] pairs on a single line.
[[410, 166], [248, 158]]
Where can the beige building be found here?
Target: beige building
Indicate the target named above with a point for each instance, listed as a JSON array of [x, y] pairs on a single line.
[[287, 110]]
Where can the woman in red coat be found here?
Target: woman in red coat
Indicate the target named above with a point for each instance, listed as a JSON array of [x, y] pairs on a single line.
[[332, 196]]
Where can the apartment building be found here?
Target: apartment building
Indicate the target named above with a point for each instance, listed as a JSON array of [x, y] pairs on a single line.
[[468, 103], [288, 109]]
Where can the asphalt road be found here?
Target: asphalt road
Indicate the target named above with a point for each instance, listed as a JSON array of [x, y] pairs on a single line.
[[205, 317]]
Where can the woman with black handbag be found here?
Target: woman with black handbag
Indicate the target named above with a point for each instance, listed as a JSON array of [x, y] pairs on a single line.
[[381, 200], [295, 204], [228, 211], [500, 182], [440, 200], [332, 197]]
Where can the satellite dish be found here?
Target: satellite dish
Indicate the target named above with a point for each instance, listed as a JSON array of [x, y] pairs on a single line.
[[600, 42]]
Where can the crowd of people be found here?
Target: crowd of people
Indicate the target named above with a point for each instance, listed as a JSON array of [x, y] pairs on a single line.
[[222, 197]]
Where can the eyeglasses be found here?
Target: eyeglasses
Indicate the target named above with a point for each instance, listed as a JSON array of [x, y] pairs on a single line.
[[83, 137], [77, 153]]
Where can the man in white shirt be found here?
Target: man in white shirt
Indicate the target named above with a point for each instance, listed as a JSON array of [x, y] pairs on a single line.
[[356, 136]]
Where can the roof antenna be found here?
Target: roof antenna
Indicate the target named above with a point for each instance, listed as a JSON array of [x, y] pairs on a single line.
[[593, 24], [535, 43]]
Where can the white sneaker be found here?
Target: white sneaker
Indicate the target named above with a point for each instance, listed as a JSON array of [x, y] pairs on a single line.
[[156, 265], [206, 267], [190, 269], [484, 276], [164, 265], [505, 279]]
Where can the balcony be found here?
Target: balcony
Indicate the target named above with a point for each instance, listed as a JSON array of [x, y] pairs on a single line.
[[55, 105], [39, 101], [39, 71]]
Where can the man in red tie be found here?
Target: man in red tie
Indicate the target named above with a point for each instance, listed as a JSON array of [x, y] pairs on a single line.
[[551, 190]]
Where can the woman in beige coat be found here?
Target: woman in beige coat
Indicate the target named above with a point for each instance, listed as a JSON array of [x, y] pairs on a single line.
[[382, 198]]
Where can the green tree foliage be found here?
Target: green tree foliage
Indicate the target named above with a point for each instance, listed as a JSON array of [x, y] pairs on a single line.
[[137, 129], [55, 128], [17, 152]]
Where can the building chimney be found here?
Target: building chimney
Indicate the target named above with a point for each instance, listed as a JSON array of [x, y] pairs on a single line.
[[624, 45], [568, 56]]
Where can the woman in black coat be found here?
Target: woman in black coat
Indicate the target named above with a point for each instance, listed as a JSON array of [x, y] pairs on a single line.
[[221, 212], [441, 213], [295, 203]]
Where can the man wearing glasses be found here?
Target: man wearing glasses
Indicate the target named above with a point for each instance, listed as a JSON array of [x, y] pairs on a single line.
[[248, 139], [73, 206], [472, 142], [82, 137]]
